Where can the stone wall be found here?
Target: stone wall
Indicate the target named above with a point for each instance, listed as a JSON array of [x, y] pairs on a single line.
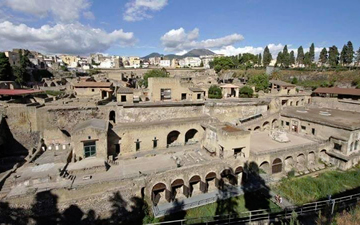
[[346, 105]]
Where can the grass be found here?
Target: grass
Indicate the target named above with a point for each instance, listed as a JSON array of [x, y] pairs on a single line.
[[308, 189], [53, 93], [210, 209]]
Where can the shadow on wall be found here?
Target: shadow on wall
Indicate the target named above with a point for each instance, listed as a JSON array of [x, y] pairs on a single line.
[[11, 151]]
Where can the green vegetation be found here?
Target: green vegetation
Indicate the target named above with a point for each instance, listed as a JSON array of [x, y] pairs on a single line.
[[267, 57], [307, 189], [92, 72], [5, 68], [152, 73], [20, 72], [260, 81], [215, 92], [347, 218], [238, 204], [54, 93], [246, 92], [222, 63]]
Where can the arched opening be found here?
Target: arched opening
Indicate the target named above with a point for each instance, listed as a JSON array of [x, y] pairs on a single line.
[[194, 185], [265, 167], [191, 136], [45, 84], [311, 158], [172, 138], [52, 84], [300, 162], [227, 178], [239, 174], [257, 129], [290, 103], [324, 156], [266, 125], [210, 181], [277, 166], [275, 124], [297, 103], [289, 163], [159, 193], [112, 116], [177, 189]]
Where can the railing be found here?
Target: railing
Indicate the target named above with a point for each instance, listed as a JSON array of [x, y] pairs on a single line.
[[267, 215]]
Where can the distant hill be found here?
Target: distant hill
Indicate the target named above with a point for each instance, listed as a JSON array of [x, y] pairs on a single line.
[[192, 53], [198, 52]]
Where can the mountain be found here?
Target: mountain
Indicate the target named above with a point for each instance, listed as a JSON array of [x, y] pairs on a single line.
[[198, 52], [192, 53]]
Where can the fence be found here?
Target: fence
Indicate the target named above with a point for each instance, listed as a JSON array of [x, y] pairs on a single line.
[[269, 215]]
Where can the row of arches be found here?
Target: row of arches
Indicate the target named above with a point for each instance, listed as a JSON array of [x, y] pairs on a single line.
[[180, 188], [267, 125], [174, 136], [300, 163]]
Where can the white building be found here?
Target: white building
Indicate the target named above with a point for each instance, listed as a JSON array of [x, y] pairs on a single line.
[[165, 63], [190, 62]]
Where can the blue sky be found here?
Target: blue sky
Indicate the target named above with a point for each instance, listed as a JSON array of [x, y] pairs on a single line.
[[139, 27]]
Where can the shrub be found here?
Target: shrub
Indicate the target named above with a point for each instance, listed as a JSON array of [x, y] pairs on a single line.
[[246, 92], [260, 81], [215, 92]]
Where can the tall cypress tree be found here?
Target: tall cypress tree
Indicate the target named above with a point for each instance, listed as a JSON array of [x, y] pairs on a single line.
[[280, 59], [300, 55], [349, 53], [267, 57], [5, 68], [307, 59], [323, 56], [343, 55], [333, 56], [259, 59], [312, 52], [285, 57], [292, 58]]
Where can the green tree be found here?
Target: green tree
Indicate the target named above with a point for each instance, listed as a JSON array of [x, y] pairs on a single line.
[[312, 52], [357, 58], [343, 55], [307, 59], [280, 59], [152, 73], [217, 68], [323, 56], [267, 57], [333, 56], [259, 60], [223, 63], [246, 92], [300, 56], [5, 68], [292, 58], [201, 64], [215, 92], [349, 53], [260, 81], [294, 80], [20, 71], [285, 57]]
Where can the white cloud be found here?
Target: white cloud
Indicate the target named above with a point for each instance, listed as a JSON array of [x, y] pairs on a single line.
[[137, 10], [180, 40], [231, 50], [62, 38], [64, 10], [88, 15]]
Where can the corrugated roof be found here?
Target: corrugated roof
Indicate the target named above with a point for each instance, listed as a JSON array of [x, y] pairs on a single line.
[[94, 123], [125, 90], [196, 89], [281, 83], [339, 91], [93, 84], [14, 92]]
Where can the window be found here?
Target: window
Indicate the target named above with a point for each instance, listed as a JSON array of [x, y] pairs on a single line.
[[155, 142], [313, 131], [183, 96], [89, 149], [137, 145], [165, 94], [282, 123], [123, 98], [198, 96], [303, 128], [93, 90], [337, 146], [287, 123]]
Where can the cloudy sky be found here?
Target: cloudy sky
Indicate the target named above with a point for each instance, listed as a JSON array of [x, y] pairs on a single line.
[[139, 27]]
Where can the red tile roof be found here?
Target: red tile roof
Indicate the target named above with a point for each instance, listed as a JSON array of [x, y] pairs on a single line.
[[339, 91], [14, 92]]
